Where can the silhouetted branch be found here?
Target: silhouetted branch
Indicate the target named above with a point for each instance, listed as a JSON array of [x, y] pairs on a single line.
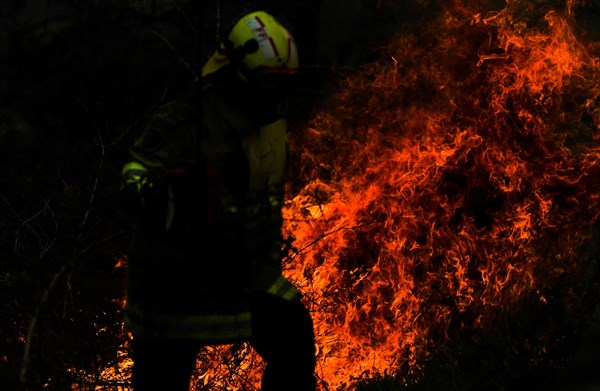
[[181, 58]]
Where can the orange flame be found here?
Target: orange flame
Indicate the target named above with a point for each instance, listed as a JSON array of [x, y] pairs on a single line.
[[450, 181]]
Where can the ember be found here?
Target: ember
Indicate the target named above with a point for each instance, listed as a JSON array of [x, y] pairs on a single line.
[[448, 180]]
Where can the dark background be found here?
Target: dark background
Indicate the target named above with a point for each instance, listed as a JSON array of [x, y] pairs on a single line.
[[77, 79]]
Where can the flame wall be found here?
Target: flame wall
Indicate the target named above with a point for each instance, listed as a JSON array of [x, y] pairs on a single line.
[[444, 182]]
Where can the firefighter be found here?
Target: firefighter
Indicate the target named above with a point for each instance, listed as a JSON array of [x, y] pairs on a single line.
[[208, 177]]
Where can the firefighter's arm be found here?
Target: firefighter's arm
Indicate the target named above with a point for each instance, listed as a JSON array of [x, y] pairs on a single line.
[[166, 142]]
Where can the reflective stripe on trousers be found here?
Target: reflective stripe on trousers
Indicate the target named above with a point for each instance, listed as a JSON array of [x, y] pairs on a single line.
[[203, 327]]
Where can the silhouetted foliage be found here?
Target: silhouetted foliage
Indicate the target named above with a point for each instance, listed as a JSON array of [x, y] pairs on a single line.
[[78, 77]]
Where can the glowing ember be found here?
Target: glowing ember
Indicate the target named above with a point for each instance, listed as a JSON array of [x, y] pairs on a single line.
[[114, 377], [452, 177]]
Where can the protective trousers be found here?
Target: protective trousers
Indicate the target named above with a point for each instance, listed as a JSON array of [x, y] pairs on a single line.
[[282, 334]]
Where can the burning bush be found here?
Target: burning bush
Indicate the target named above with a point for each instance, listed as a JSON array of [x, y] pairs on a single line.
[[449, 180]]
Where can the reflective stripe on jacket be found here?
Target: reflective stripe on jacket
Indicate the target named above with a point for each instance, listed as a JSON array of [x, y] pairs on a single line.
[[281, 287]]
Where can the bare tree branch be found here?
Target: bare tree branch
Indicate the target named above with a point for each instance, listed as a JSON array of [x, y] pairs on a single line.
[[141, 117], [67, 266], [181, 58], [187, 18], [33, 324]]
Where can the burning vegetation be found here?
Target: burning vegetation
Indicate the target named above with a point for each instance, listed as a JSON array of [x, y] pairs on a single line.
[[443, 185], [446, 182], [452, 178]]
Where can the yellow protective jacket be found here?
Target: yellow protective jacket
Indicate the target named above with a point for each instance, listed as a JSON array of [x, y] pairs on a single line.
[[209, 172]]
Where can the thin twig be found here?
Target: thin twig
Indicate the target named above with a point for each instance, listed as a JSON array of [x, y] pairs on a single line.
[[141, 117], [218, 29], [46, 248], [105, 239], [323, 236], [33, 325], [187, 18], [26, 222], [96, 180], [68, 266], [181, 58]]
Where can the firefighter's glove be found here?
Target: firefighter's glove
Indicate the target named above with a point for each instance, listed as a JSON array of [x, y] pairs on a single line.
[[136, 175], [139, 192]]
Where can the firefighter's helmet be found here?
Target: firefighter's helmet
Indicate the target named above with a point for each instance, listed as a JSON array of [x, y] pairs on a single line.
[[258, 44]]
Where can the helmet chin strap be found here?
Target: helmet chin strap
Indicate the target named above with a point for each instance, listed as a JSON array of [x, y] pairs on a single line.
[[237, 53]]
